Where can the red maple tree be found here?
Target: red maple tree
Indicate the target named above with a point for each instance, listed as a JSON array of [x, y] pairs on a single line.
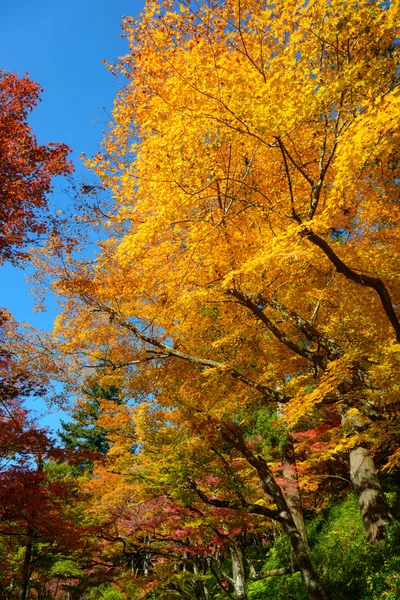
[[26, 168]]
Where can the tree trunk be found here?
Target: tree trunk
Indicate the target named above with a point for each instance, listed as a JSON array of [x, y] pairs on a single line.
[[374, 509], [199, 572], [290, 487], [238, 572], [298, 546], [26, 567], [301, 556]]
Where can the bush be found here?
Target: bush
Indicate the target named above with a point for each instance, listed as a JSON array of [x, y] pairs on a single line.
[[348, 566]]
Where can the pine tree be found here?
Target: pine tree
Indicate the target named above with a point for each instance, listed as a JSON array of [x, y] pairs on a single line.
[[83, 432]]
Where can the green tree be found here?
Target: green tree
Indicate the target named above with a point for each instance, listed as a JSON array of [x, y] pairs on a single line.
[[83, 432]]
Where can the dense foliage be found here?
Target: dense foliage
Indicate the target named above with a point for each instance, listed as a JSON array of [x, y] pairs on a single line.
[[233, 341], [26, 169]]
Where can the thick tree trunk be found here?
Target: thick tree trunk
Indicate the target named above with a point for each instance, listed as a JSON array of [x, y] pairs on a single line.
[[374, 509], [238, 572]]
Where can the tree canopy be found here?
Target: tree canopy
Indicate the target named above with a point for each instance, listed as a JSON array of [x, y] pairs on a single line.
[[243, 294], [26, 168]]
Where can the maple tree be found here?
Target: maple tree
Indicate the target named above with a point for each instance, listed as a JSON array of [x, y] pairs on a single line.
[[26, 168], [36, 513], [160, 503], [254, 164]]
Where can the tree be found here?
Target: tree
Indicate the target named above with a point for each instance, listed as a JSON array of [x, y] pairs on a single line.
[[265, 169], [37, 512], [254, 161], [26, 169], [160, 506], [83, 432]]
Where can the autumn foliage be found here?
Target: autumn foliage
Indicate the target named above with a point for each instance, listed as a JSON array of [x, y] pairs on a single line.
[[26, 168], [247, 288], [243, 297]]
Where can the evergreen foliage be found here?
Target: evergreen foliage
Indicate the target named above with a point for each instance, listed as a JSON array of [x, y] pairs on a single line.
[[348, 567], [83, 432]]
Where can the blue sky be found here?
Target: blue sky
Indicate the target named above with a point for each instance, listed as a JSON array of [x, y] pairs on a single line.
[[62, 46]]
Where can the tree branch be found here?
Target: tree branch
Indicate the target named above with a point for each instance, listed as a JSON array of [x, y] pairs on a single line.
[[289, 179], [333, 350], [365, 280], [272, 573], [255, 509], [246, 301], [299, 167], [270, 394]]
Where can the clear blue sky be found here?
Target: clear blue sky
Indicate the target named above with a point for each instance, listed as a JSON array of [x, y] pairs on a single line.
[[62, 46]]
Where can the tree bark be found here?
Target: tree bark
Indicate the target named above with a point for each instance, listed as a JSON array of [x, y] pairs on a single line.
[[290, 486], [301, 557], [26, 567], [197, 571], [298, 546], [238, 572], [374, 509]]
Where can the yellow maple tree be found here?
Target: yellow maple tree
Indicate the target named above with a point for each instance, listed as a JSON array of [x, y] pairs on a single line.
[[253, 163]]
